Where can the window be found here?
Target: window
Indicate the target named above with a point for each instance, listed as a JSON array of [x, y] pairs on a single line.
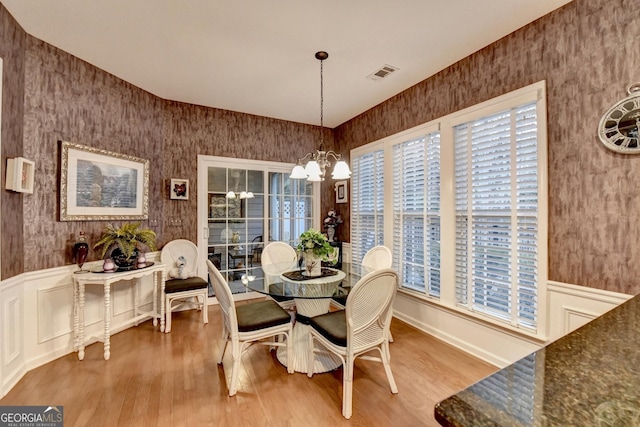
[[367, 205], [416, 212], [496, 186], [466, 208]]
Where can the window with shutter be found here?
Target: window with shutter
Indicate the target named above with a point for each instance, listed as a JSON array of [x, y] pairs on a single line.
[[416, 213], [367, 203], [496, 214]]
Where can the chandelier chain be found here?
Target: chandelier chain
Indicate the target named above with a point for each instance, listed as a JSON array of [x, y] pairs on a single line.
[[321, 103]]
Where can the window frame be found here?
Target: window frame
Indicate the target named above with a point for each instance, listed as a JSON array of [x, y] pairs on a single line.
[[534, 92]]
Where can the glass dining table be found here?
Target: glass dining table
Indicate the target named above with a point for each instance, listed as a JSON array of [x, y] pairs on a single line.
[[312, 297]]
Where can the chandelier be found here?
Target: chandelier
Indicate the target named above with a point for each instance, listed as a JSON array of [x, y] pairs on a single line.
[[318, 162]]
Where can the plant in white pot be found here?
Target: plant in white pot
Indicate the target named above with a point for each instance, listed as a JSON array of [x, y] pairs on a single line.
[[315, 248], [126, 241]]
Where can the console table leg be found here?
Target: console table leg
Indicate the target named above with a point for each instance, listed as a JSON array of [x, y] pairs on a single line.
[[162, 302], [136, 299], [81, 321], [107, 321], [75, 316], [155, 300]]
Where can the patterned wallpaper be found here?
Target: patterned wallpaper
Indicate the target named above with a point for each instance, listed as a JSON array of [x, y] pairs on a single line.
[[586, 51], [12, 47], [588, 54]]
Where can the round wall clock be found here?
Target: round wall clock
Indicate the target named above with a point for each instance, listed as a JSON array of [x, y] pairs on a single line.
[[619, 127]]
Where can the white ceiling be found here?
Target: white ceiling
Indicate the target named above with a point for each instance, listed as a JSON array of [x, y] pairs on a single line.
[[257, 56]]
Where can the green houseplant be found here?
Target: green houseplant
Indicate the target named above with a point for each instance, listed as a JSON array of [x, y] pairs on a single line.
[[316, 248], [125, 240]]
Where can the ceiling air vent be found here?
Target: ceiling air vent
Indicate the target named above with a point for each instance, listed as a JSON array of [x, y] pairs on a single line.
[[382, 73]]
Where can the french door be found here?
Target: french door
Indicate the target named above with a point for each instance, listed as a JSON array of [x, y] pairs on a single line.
[[242, 206]]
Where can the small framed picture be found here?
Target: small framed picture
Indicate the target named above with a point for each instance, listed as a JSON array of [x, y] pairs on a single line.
[[341, 192], [179, 189]]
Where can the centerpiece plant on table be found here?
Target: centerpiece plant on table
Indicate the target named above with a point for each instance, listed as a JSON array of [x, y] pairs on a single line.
[[315, 248], [125, 241]]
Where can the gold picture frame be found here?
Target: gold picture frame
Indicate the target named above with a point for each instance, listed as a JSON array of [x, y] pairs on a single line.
[[98, 185]]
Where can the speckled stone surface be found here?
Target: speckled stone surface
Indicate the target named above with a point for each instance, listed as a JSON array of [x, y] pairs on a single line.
[[590, 377]]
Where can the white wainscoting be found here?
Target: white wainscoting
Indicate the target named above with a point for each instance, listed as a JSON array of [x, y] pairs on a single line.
[[571, 306], [568, 308], [37, 316]]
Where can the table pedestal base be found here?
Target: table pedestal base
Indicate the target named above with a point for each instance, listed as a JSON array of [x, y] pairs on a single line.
[[324, 361]]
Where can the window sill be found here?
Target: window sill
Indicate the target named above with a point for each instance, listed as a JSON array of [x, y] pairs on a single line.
[[479, 318]]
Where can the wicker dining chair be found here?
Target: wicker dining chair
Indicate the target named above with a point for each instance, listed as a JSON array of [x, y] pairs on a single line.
[[362, 327], [278, 257], [376, 258], [248, 324], [183, 287]]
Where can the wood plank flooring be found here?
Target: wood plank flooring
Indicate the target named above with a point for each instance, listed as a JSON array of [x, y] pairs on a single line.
[[157, 379]]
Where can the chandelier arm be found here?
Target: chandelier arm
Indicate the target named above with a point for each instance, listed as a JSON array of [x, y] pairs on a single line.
[[335, 155], [307, 156]]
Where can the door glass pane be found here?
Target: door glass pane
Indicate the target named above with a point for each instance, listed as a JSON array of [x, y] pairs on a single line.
[[255, 182], [255, 206], [217, 180], [237, 180]]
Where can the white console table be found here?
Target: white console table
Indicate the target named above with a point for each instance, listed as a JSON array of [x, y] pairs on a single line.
[[157, 271]]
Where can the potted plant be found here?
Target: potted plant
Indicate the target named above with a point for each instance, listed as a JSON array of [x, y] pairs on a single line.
[[315, 248], [125, 241]]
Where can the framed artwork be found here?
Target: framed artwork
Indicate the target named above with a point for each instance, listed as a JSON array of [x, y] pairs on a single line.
[[341, 192], [100, 185], [20, 174], [179, 189]]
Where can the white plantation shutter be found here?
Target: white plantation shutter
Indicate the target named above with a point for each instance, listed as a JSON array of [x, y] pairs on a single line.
[[416, 213], [367, 203], [497, 225]]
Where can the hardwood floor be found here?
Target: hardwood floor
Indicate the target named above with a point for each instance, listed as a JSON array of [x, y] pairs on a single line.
[[157, 379]]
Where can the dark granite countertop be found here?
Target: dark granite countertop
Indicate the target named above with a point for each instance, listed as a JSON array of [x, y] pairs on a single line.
[[590, 377]]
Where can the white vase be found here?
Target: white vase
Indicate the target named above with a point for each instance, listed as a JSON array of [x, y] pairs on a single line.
[[312, 264], [331, 232]]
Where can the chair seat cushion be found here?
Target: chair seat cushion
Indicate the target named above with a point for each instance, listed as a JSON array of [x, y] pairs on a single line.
[[260, 315], [181, 285], [332, 326]]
